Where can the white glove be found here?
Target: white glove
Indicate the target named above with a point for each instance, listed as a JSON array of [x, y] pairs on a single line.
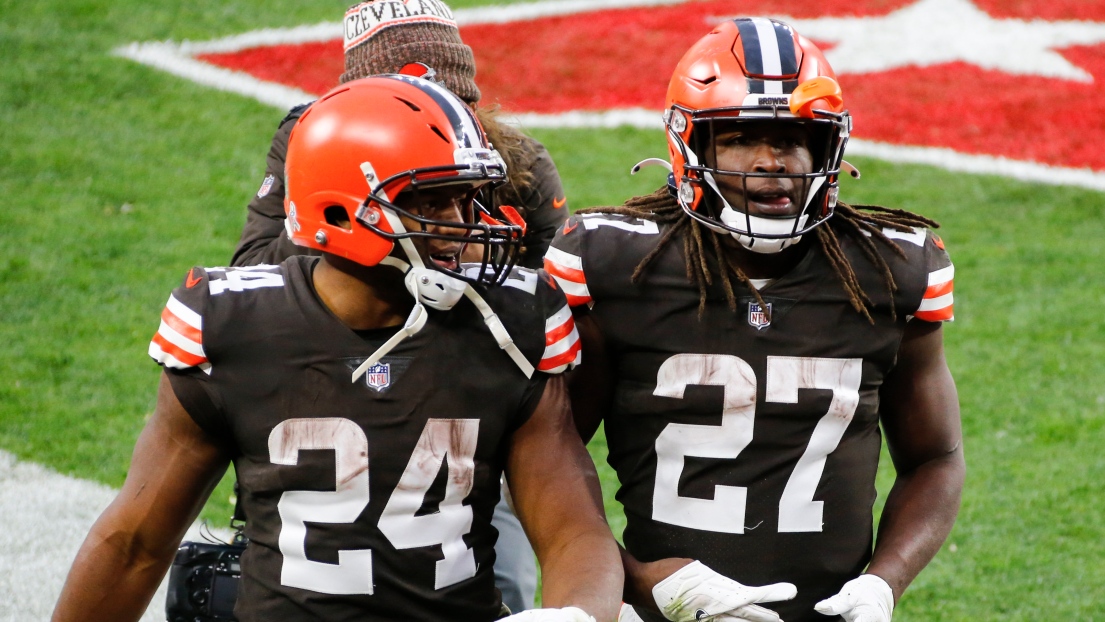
[[567, 614], [694, 592], [627, 614], [867, 598]]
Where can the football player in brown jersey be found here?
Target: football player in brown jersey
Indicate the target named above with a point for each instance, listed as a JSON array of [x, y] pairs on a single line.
[[746, 335], [369, 398]]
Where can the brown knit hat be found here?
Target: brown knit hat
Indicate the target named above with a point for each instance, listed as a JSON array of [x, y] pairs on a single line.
[[383, 36]]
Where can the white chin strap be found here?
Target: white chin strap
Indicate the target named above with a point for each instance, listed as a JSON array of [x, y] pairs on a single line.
[[437, 290], [751, 229]]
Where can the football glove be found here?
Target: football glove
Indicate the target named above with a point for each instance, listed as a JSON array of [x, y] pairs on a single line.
[[694, 592], [867, 598], [567, 614]]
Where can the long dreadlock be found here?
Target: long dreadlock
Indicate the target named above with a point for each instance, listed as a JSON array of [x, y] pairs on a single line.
[[862, 223]]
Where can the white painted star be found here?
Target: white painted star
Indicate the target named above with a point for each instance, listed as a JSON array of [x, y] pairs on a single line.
[[933, 32]]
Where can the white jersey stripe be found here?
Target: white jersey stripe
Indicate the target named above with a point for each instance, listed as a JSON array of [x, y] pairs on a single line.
[[168, 360], [933, 304], [571, 288], [180, 341], [564, 259], [562, 346], [941, 276], [916, 237], [558, 319], [186, 315]]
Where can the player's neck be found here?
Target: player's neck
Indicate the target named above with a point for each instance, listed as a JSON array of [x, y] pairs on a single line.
[[767, 265], [362, 297]]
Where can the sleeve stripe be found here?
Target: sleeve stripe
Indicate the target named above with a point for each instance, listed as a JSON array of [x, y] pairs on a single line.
[[562, 362], [943, 275], [562, 345], [564, 260], [561, 317], [187, 315], [935, 291], [171, 355], [940, 315], [556, 334], [564, 273], [572, 288], [174, 338], [184, 329], [933, 304]]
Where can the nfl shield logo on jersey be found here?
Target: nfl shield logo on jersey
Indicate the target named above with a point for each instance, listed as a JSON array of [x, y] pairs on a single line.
[[379, 376], [759, 317], [266, 186]]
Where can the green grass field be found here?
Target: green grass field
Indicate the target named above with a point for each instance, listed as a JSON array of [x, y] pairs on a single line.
[[117, 178]]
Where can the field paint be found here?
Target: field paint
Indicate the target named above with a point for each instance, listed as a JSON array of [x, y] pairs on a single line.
[[179, 59], [44, 517]]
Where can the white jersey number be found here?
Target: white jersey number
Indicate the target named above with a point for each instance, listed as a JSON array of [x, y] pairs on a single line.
[[725, 513], [441, 438]]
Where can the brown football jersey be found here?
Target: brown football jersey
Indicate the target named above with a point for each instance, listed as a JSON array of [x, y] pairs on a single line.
[[749, 441], [368, 499]]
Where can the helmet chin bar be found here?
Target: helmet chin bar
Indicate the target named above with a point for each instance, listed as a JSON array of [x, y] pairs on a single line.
[[758, 233], [501, 242], [435, 287]]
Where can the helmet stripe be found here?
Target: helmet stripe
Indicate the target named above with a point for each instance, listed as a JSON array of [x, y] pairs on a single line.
[[768, 47], [459, 115]]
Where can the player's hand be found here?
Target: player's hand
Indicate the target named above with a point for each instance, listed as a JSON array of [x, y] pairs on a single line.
[[694, 592], [567, 614], [867, 598]]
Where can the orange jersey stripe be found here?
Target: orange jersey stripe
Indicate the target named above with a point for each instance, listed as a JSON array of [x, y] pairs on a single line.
[[936, 315], [560, 359], [176, 352], [186, 330], [940, 289], [560, 332], [575, 301], [568, 274]]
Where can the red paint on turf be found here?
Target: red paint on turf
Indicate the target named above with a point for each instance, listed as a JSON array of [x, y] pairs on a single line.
[[622, 58]]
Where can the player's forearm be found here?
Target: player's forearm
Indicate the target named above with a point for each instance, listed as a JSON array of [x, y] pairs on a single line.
[[585, 573], [111, 580], [919, 514]]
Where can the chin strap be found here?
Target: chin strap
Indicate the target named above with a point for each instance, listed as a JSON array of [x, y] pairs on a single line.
[[416, 275], [502, 337]]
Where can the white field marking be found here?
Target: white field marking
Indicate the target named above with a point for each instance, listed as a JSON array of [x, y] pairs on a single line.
[[44, 517], [179, 59]]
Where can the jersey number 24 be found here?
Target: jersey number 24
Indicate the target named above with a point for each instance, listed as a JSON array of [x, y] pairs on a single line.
[[455, 438]]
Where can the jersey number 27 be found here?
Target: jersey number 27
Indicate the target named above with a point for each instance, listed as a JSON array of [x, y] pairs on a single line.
[[725, 513]]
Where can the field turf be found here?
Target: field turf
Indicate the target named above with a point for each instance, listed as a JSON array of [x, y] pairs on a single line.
[[117, 178]]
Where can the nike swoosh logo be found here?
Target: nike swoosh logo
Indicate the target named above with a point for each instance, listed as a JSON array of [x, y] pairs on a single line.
[[569, 226], [191, 281], [559, 203]]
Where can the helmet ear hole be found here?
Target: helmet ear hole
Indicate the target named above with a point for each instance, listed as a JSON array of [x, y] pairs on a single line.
[[337, 216]]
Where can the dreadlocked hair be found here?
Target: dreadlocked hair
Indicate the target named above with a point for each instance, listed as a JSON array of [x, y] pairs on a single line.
[[862, 223]]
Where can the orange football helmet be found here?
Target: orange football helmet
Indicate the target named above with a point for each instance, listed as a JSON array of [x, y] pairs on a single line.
[[365, 142], [754, 70]]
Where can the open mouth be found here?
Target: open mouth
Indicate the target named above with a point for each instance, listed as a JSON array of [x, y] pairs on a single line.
[[772, 202], [447, 260]]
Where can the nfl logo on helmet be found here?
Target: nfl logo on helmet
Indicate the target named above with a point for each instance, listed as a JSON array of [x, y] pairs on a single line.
[[379, 376], [759, 317]]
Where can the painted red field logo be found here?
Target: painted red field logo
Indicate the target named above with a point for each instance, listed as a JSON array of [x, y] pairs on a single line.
[[1012, 88]]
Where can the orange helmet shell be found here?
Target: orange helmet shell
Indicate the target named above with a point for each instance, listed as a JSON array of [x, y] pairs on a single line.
[[361, 134], [731, 72]]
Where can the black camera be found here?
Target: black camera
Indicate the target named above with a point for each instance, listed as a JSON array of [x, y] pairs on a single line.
[[203, 582]]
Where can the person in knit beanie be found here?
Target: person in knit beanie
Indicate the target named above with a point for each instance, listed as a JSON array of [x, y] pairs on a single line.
[[384, 36]]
